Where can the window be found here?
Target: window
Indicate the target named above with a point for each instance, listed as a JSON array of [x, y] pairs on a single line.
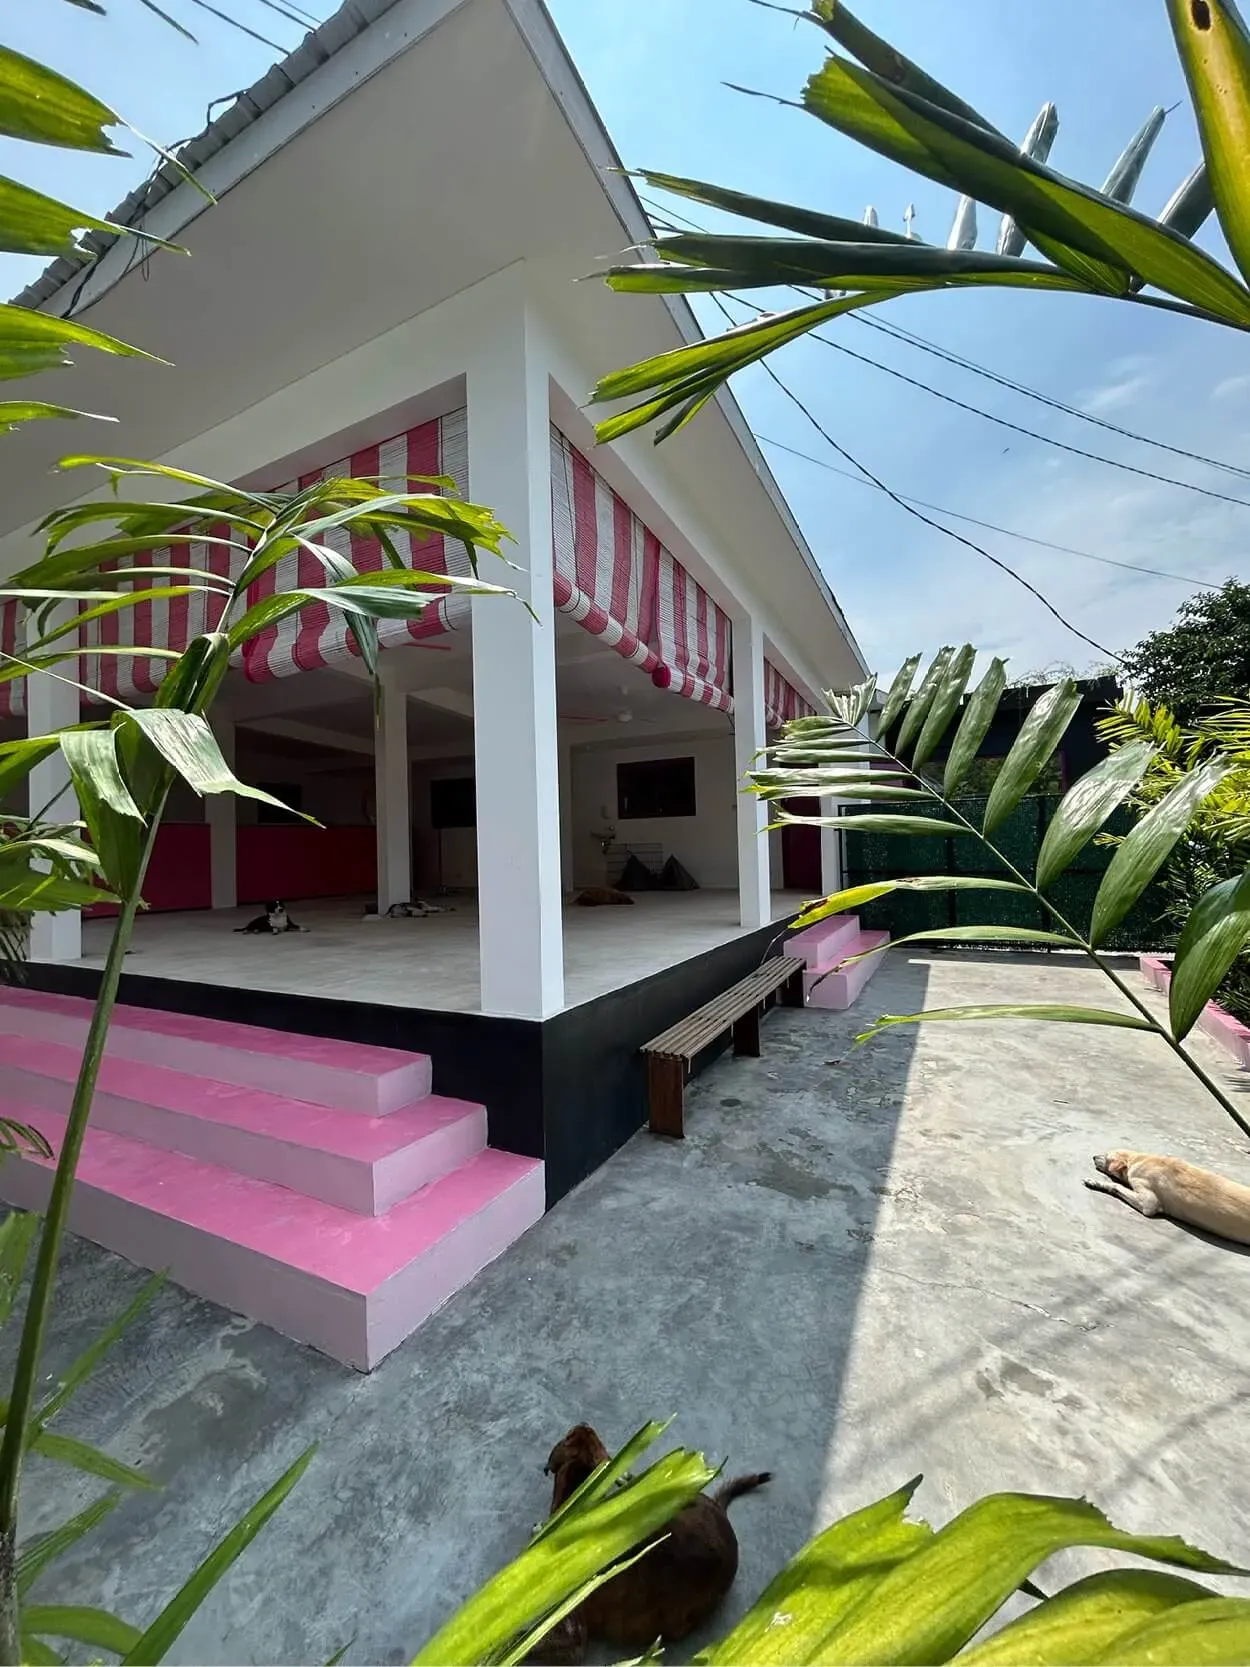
[[655, 787], [453, 802], [291, 794]]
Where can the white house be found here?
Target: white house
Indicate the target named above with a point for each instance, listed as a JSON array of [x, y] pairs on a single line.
[[388, 282]]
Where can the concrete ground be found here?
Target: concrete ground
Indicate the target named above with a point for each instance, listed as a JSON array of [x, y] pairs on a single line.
[[858, 1266], [422, 963]]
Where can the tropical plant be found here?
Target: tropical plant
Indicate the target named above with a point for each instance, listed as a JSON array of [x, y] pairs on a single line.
[[98, 1629], [1216, 846], [123, 766], [873, 1587], [1092, 241], [99, 562], [830, 757], [1203, 657]]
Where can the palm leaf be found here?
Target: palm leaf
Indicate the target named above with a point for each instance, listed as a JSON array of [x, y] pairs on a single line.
[[928, 1607], [45, 108], [1103, 243], [855, 897], [1085, 1620], [1214, 48], [827, 1581], [974, 726], [1044, 1012], [1146, 848], [1217, 930], [1086, 806], [156, 1641], [1040, 733]]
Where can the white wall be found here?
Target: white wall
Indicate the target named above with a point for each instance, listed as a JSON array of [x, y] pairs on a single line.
[[705, 843]]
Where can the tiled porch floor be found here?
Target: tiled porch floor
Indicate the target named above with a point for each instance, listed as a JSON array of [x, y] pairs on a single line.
[[429, 963]]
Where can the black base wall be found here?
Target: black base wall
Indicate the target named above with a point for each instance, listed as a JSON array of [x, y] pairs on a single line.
[[570, 1090]]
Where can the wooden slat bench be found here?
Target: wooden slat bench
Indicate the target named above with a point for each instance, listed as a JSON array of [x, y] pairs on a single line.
[[737, 1009]]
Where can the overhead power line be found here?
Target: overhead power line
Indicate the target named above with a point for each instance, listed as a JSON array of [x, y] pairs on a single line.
[[920, 342], [962, 363], [1019, 428], [991, 526], [918, 514]]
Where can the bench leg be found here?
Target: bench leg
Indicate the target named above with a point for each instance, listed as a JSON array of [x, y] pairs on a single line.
[[792, 990], [666, 1086], [746, 1035]]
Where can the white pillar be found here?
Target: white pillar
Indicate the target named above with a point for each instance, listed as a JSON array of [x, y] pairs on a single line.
[[566, 815], [393, 797], [223, 837], [830, 851], [516, 747], [52, 705], [754, 873]]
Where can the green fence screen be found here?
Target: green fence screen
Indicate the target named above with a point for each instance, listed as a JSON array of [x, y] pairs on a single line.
[[870, 856]]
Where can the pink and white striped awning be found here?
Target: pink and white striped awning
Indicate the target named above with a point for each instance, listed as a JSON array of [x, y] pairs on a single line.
[[611, 574], [782, 701], [620, 583], [317, 635]]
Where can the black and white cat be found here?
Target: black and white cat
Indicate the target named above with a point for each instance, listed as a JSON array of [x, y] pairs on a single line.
[[274, 920], [416, 910]]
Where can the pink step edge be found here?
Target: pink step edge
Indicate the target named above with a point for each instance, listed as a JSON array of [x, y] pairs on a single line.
[[826, 942], [361, 1164], [344, 1076], [836, 988], [354, 1287], [1220, 1026]]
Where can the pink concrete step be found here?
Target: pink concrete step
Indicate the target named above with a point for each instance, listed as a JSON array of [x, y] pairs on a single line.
[[364, 1164], [837, 988], [346, 1076], [353, 1286], [825, 943], [1221, 1027]]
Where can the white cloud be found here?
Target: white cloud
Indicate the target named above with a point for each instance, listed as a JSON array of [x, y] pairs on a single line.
[[1117, 395], [1233, 387]]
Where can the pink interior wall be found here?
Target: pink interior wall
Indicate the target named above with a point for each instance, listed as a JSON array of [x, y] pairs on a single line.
[[286, 862], [297, 861]]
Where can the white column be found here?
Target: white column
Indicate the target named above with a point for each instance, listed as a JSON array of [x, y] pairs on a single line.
[[754, 874], [223, 837], [830, 851], [566, 815], [517, 753], [393, 796], [52, 705]]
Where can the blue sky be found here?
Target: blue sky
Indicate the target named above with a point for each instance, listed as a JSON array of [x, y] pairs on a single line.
[[657, 70]]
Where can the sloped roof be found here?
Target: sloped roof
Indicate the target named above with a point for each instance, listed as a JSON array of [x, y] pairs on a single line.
[[317, 48]]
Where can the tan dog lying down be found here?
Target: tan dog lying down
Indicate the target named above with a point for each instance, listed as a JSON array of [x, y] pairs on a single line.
[[1170, 1187]]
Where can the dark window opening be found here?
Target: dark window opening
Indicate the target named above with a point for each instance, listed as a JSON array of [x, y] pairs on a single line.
[[453, 802], [656, 787], [291, 794]]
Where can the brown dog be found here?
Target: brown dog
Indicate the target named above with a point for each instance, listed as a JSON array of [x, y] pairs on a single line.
[[667, 1593], [1170, 1187], [597, 897]]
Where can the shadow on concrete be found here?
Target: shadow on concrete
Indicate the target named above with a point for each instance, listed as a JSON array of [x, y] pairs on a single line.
[[718, 1279]]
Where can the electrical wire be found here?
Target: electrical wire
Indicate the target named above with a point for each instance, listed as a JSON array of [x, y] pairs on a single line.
[[1018, 428], [962, 363], [919, 515], [1017, 387], [234, 23], [991, 526]]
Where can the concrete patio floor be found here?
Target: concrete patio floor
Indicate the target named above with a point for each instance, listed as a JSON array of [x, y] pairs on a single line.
[[858, 1266]]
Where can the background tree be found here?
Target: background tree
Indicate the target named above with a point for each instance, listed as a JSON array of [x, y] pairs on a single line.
[[1202, 657]]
